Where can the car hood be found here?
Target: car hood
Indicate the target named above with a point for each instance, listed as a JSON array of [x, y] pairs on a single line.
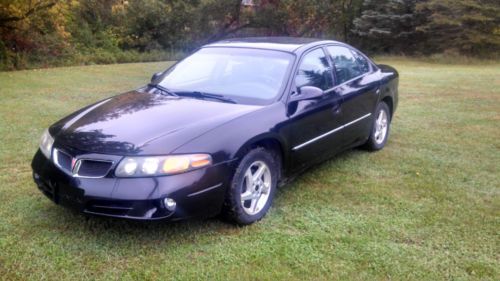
[[137, 122]]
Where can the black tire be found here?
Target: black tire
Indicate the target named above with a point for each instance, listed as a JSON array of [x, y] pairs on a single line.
[[372, 143], [233, 207]]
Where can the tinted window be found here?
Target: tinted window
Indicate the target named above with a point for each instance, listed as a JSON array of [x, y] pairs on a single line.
[[314, 71], [346, 66], [363, 63]]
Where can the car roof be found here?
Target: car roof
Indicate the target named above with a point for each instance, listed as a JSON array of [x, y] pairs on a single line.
[[286, 44]]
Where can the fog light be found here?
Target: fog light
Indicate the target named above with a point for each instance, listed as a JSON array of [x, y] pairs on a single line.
[[170, 204]]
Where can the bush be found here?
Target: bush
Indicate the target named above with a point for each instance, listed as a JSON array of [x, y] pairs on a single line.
[[23, 60]]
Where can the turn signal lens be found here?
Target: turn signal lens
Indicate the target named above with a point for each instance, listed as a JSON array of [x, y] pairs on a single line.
[[176, 164], [200, 160], [161, 165]]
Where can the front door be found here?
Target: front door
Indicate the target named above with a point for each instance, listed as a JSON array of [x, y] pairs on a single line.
[[313, 123]]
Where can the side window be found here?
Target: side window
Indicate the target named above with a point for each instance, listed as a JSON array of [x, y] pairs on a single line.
[[346, 66], [363, 63], [314, 70]]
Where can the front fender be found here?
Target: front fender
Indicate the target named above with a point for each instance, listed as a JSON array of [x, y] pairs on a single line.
[[226, 142]]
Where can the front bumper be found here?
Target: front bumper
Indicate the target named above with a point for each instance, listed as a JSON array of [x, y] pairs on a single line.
[[197, 193]]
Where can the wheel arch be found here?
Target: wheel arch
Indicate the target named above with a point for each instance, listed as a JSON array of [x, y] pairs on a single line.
[[271, 142], [390, 103]]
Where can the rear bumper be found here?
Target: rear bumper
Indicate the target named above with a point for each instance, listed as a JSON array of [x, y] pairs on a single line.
[[196, 193]]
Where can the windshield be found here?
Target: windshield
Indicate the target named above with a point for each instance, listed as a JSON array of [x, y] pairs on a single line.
[[248, 76]]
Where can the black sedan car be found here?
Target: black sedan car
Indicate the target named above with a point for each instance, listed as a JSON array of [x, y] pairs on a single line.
[[218, 131]]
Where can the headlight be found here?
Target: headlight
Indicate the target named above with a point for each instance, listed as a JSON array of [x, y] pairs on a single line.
[[161, 165], [46, 142]]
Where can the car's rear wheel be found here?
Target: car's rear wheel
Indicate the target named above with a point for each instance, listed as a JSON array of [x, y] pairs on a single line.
[[380, 128], [252, 188]]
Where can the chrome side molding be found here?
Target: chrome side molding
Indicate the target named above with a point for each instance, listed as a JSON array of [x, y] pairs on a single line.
[[330, 132]]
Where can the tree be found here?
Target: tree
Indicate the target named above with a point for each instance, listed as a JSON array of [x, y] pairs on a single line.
[[220, 18], [30, 30], [464, 26], [390, 26], [147, 25], [350, 10], [92, 24], [311, 18], [48, 32], [12, 11]]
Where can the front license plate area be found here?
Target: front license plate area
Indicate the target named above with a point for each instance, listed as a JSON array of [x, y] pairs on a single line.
[[68, 195]]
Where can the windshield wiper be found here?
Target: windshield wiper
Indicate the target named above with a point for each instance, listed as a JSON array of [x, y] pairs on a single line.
[[198, 94], [163, 89]]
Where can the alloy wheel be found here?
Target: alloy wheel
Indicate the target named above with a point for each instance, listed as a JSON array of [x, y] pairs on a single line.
[[256, 187], [381, 127]]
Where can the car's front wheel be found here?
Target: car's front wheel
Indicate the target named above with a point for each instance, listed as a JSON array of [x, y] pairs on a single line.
[[253, 187], [380, 128]]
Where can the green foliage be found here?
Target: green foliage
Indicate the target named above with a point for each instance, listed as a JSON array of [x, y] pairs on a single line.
[[152, 25], [388, 25], [40, 33], [91, 26], [467, 27], [464, 26]]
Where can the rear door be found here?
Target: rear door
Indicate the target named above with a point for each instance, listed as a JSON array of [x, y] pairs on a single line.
[[357, 83]]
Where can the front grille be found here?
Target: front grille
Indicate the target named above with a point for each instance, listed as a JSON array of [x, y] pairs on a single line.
[[63, 160], [94, 168], [91, 168]]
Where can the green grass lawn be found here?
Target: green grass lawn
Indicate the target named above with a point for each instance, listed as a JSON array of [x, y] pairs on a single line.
[[426, 207]]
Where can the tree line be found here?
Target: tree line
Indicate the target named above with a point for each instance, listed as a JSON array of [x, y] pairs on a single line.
[[37, 33]]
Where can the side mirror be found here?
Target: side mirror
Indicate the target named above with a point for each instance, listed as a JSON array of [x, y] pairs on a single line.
[[155, 76], [307, 93]]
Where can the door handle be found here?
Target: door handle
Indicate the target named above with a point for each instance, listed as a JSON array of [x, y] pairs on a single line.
[[336, 109]]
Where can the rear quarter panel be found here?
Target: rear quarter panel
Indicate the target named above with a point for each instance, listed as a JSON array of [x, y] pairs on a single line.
[[389, 84]]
